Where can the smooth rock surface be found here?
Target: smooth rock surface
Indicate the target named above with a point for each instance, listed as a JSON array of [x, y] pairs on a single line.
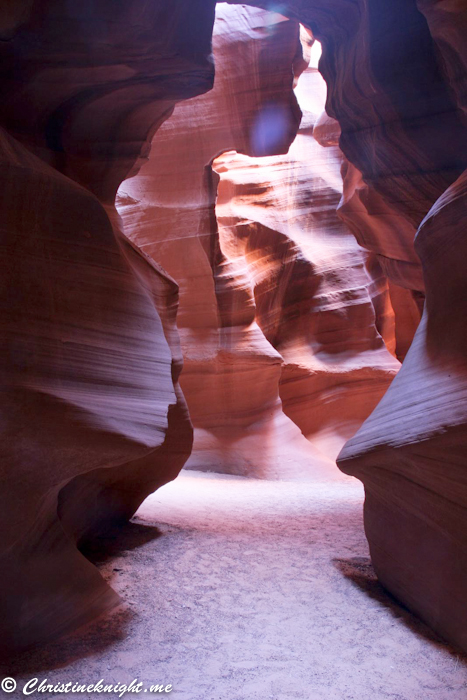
[[93, 417], [231, 372], [313, 290], [396, 85], [409, 452], [274, 290]]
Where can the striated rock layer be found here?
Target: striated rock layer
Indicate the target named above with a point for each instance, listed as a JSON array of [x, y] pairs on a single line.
[[317, 302], [274, 293], [410, 452], [389, 237], [231, 372], [93, 416], [395, 100], [396, 85]]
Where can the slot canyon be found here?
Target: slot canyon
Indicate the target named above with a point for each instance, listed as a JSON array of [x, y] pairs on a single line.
[[234, 365]]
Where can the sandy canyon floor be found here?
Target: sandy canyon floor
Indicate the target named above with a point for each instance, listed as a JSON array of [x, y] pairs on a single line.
[[239, 589]]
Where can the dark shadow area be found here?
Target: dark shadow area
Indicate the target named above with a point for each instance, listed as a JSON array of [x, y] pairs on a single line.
[[360, 572], [100, 635], [117, 540], [95, 638]]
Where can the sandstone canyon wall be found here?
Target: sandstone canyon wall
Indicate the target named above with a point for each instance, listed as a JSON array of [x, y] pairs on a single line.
[[93, 418], [168, 210], [396, 85], [317, 301], [274, 290]]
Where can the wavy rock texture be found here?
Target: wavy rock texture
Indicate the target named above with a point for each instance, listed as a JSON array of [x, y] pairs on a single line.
[[94, 419], [88, 84], [448, 27], [92, 408], [410, 452], [401, 124], [231, 372], [312, 289], [389, 237], [279, 297], [396, 84]]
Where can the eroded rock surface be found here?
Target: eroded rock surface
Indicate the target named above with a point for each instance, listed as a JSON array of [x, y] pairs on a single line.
[[316, 300], [274, 290], [396, 84], [93, 416], [92, 409], [409, 453], [231, 372]]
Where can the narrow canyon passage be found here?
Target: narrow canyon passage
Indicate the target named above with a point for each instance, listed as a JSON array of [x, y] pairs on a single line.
[[245, 589], [233, 282]]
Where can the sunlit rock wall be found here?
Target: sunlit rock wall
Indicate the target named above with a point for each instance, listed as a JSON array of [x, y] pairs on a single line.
[[278, 329], [394, 95], [93, 416], [316, 300], [396, 84], [389, 238], [231, 372]]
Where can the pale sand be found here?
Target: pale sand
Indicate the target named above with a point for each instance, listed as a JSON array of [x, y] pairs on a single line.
[[241, 589]]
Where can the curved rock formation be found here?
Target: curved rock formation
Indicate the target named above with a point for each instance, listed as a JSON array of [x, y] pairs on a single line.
[[400, 122], [389, 237], [94, 419], [89, 84], [169, 211], [88, 394], [411, 460], [268, 300], [92, 409], [448, 26], [312, 288], [396, 84]]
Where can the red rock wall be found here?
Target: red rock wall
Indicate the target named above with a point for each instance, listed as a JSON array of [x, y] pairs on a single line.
[[410, 452], [274, 289], [169, 212], [94, 419], [391, 93], [311, 284], [93, 411], [396, 84]]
